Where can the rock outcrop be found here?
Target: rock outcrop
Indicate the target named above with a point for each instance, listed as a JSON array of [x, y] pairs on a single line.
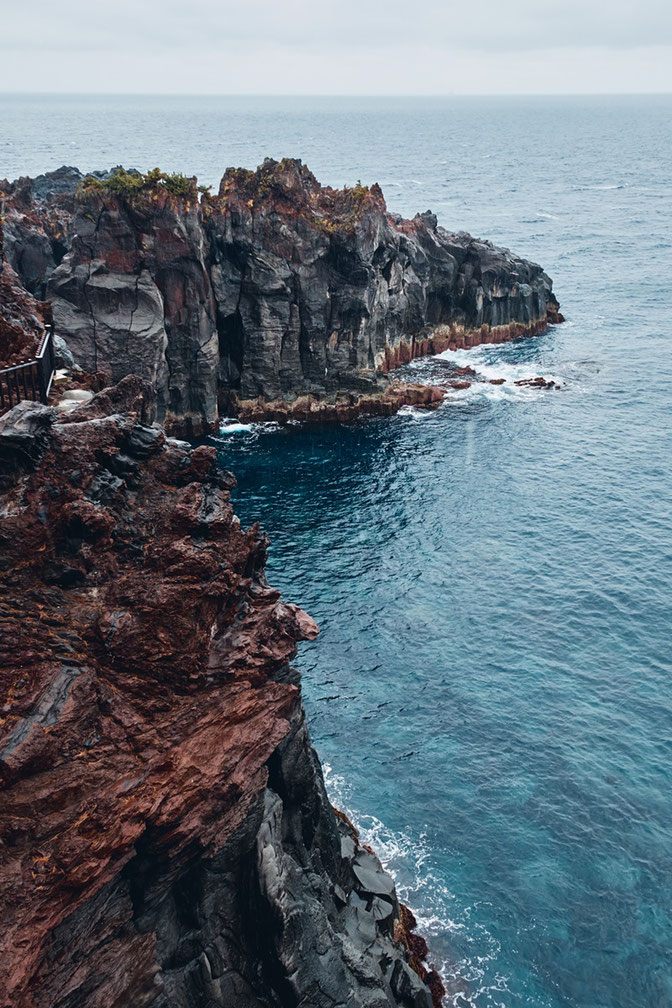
[[320, 290], [37, 217], [274, 288], [22, 316], [133, 296], [165, 837]]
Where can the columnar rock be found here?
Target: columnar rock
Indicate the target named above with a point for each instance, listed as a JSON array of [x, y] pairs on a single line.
[[274, 288], [165, 837], [320, 289]]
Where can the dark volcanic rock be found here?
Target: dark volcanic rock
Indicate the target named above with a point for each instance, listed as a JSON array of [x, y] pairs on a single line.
[[22, 317], [277, 286], [165, 835], [319, 290], [133, 296], [38, 224]]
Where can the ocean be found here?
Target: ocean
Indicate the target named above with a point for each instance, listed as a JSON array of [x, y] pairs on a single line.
[[491, 691]]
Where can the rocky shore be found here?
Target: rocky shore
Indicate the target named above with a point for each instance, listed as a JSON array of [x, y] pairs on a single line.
[[275, 297], [165, 836]]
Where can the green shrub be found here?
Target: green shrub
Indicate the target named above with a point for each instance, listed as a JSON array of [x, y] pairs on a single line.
[[127, 185]]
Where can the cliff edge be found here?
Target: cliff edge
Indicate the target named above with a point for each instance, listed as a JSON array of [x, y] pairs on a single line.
[[165, 836], [273, 290]]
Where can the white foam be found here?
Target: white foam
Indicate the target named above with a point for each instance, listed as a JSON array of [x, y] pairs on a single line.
[[234, 427], [414, 412], [408, 860], [485, 368], [230, 425]]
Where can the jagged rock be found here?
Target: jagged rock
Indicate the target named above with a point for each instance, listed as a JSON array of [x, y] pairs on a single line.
[[319, 289], [38, 217], [538, 382], [133, 296], [384, 400], [24, 432], [22, 318], [167, 840], [275, 286], [371, 879]]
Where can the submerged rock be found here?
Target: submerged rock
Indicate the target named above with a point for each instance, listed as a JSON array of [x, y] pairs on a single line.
[[538, 382]]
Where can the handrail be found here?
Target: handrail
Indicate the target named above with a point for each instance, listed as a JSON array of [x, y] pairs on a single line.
[[31, 380]]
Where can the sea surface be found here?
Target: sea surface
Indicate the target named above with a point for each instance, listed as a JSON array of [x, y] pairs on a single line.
[[491, 693]]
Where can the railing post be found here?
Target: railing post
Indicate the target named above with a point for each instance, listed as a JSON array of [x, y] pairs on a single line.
[[41, 368]]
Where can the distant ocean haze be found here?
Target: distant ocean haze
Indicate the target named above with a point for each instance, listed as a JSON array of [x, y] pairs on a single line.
[[490, 693]]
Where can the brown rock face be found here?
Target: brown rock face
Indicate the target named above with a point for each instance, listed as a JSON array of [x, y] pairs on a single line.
[[339, 408], [165, 837]]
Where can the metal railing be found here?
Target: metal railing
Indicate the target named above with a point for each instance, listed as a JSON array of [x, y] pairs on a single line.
[[31, 380]]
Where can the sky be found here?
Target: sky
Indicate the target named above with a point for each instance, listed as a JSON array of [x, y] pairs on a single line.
[[337, 47]]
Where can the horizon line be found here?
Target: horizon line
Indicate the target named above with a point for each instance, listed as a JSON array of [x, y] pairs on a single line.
[[390, 95]]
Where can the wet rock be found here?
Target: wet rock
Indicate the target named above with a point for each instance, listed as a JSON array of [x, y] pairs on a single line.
[[538, 382], [384, 399]]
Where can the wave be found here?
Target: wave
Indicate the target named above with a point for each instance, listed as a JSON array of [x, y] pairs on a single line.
[[540, 217], [415, 413], [487, 370], [229, 425], [600, 188], [470, 979]]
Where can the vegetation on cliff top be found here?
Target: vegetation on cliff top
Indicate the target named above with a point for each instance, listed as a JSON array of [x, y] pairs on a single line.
[[289, 183], [126, 185]]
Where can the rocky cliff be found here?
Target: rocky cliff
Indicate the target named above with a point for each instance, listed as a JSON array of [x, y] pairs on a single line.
[[165, 837], [272, 289]]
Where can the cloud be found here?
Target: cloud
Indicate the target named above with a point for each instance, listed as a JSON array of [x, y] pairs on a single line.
[[338, 46]]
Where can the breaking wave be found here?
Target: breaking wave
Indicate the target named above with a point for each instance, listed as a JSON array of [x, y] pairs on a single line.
[[460, 949]]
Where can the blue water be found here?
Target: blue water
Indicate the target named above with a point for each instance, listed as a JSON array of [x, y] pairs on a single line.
[[491, 690]]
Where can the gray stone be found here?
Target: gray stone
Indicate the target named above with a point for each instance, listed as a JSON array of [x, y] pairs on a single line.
[[62, 355], [376, 882]]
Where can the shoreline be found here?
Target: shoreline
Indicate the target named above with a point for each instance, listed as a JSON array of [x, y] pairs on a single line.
[[390, 395]]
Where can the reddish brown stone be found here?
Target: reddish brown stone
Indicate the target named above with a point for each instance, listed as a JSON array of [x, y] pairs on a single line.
[[138, 639], [340, 408], [417, 953]]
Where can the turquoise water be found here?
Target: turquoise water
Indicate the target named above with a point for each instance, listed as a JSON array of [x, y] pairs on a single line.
[[490, 692]]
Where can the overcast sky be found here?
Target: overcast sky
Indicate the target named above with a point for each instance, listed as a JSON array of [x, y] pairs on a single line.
[[337, 47]]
